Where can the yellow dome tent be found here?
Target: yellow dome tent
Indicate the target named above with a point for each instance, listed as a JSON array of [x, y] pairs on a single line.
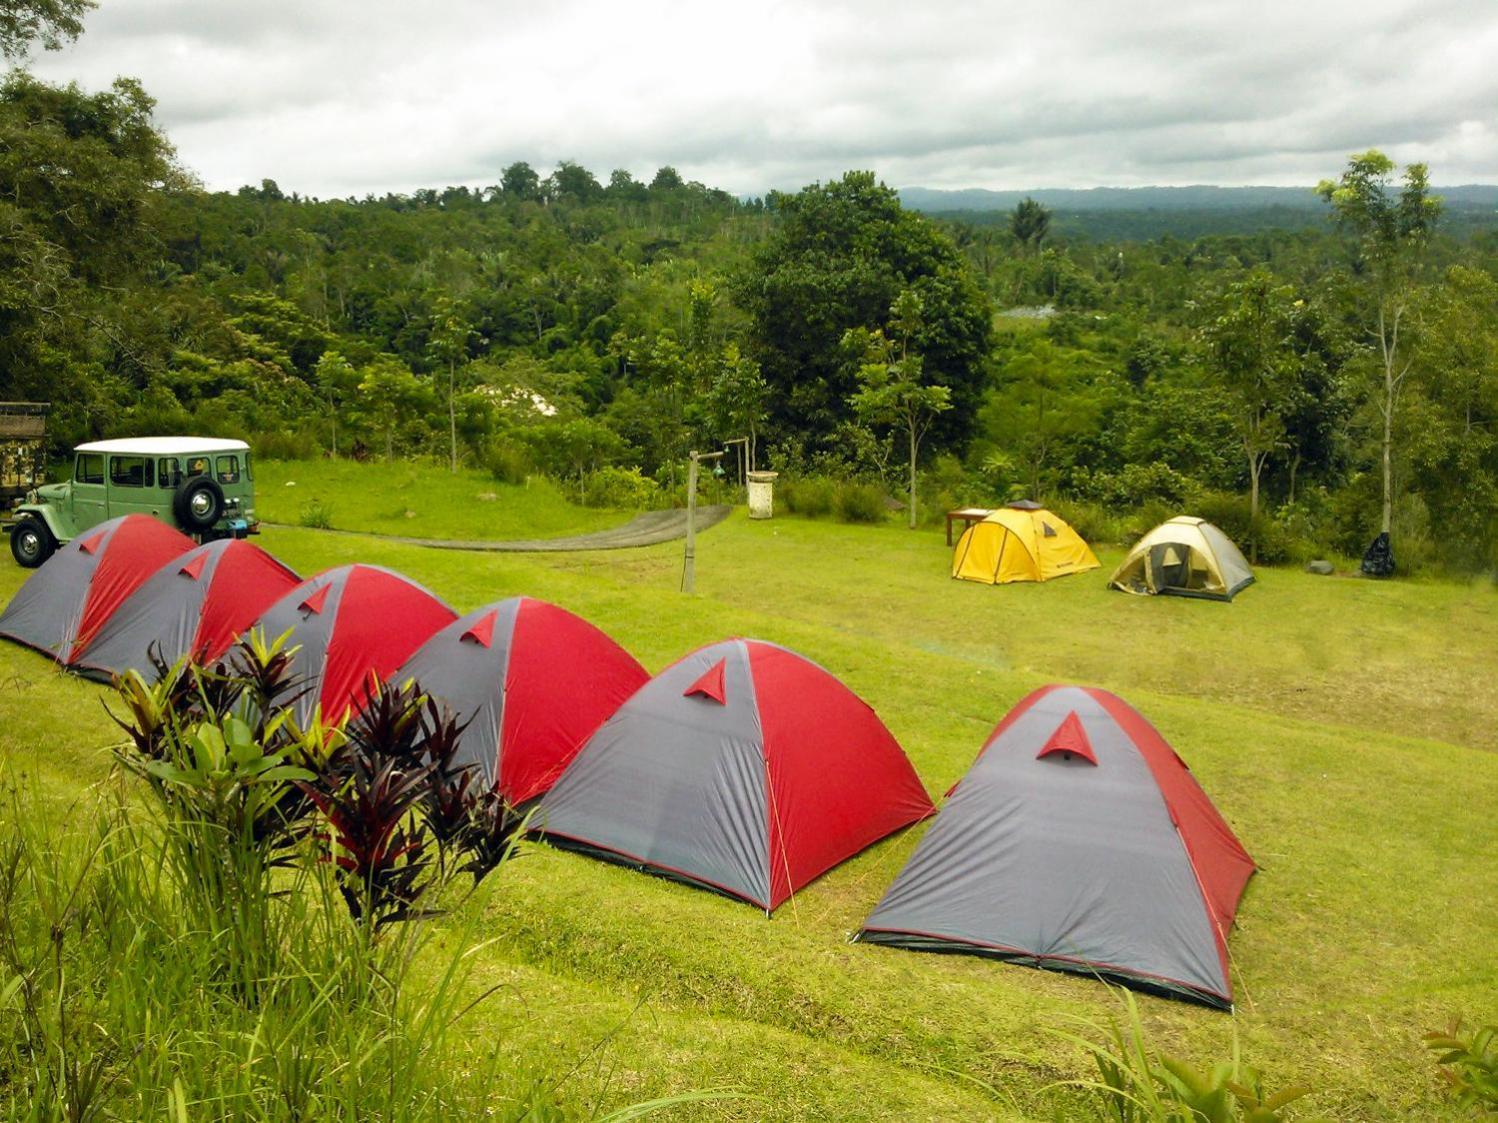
[[1184, 557], [1020, 542]]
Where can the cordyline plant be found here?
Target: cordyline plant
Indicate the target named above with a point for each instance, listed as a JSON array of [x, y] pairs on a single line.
[[245, 790], [402, 817]]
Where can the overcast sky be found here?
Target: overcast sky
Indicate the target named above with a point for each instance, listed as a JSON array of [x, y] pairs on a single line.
[[353, 96]]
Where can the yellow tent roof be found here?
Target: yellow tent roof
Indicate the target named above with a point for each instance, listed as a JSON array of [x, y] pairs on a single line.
[[1016, 544]]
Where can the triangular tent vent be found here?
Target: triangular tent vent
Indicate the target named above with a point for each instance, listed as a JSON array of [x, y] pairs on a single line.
[[194, 568], [90, 544], [1069, 738], [710, 684], [482, 632], [313, 604]]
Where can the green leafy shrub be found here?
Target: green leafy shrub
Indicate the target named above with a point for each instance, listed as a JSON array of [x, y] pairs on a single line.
[[128, 987], [1262, 536], [507, 462], [1469, 1064], [280, 445], [1136, 1083], [316, 515], [1137, 484], [812, 496], [1146, 517], [626, 489], [1095, 523], [860, 502]]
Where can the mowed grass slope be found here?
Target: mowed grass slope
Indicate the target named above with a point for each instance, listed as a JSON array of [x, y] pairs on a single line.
[[416, 501], [1345, 729]]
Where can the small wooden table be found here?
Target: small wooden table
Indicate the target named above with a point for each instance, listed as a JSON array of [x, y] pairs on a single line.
[[967, 516]]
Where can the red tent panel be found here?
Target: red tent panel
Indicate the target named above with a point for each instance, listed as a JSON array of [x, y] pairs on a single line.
[[841, 754], [546, 718], [139, 546], [246, 582], [1222, 865], [382, 618]]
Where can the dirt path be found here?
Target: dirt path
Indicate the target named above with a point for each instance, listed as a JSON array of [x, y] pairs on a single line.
[[643, 530]]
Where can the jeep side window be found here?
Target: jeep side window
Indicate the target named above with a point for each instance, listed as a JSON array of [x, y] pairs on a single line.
[[168, 471], [197, 466], [130, 471], [228, 469], [90, 469]]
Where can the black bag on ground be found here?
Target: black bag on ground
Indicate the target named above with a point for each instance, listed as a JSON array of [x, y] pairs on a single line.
[[1378, 560]]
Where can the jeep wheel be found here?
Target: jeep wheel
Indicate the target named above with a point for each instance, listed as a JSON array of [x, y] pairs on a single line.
[[198, 504], [31, 543]]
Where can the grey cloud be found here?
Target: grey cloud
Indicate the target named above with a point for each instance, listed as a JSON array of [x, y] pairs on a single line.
[[340, 98]]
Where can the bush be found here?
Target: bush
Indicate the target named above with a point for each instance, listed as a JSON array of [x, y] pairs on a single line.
[[159, 936], [812, 496], [859, 502], [301, 445], [1262, 538], [1142, 520], [316, 515], [1136, 484], [507, 463], [621, 488], [1094, 522]]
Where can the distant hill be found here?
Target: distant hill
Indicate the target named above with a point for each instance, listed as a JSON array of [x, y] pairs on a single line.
[[1138, 213], [1199, 198]]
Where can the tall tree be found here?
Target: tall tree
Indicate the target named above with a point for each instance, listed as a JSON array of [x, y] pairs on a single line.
[[1393, 228], [1451, 422], [1029, 223], [891, 390], [448, 345], [520, 181], [80, 190], [48, 22], [841, 254], [338, 381], [388, 393], [1250, 338], [738, 398]]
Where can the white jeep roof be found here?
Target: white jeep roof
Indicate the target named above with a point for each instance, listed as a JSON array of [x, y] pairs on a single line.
[[164, 446]]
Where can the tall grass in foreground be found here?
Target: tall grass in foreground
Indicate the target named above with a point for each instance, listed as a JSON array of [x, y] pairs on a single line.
[[252, 942], [1136, 1083]]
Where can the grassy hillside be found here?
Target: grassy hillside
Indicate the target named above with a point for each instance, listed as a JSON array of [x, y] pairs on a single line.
[[1345, 729], [417, 501]]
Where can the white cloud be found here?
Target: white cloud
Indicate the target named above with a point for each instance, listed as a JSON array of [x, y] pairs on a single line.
[[343, 98]]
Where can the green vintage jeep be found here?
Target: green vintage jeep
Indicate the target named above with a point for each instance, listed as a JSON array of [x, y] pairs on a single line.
[[200, 485]]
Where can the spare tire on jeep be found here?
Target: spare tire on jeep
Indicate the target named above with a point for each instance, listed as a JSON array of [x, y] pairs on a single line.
[[198, 504]]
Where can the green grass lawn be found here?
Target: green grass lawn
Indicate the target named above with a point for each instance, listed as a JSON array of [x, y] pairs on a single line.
[[1345, 728], [419, 501]]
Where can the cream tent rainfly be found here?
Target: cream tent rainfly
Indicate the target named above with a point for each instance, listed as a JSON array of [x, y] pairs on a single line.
[[1184, 557]]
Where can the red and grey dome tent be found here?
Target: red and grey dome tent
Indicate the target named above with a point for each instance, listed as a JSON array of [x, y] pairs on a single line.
[[1078, 841], [743, 768], [195, 606], [65, 602], [532, 681], [352, 624]]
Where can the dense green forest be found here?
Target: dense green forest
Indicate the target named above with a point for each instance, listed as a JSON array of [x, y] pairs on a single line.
[[596, 327]]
